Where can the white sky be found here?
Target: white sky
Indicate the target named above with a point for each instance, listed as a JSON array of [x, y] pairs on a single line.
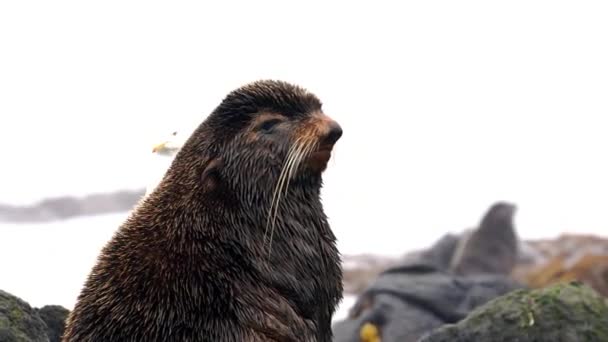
[[446, 106]]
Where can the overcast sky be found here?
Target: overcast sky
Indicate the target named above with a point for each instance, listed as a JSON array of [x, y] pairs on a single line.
[[446, 106]]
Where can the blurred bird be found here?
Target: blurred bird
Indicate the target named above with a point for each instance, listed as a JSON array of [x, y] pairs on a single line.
[[170, 146], [164, 152]]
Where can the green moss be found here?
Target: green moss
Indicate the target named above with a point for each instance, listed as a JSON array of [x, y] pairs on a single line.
[[16, 313], [564, 312], [3, 322]]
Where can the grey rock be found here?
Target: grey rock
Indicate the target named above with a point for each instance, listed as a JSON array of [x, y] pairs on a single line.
[[54, 317]]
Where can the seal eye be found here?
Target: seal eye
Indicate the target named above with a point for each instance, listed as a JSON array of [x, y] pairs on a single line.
[[268, 125]]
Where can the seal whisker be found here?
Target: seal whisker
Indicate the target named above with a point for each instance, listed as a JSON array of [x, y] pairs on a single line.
[[303, 149], [280, 183], [274, 195], [292, 161], [274, 211], [290, 155]]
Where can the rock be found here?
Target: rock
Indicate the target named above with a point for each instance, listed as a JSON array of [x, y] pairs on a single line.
[[408, 301], [19, 322], [491, 248], [54, 317], [565, 312]]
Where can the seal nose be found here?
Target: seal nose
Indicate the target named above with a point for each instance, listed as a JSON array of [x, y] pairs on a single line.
[[335, 132]]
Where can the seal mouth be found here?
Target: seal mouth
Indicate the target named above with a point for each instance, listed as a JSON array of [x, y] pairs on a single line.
[[318, 159], [322, 152]]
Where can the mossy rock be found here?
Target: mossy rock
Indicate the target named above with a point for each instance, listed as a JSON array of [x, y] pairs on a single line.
[[54, 316], [19, 322], [569, 312]]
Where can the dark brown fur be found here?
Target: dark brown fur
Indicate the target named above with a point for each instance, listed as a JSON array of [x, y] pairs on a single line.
[[192, 264]]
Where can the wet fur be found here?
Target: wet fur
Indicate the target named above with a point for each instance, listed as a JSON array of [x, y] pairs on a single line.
[[190, 263]]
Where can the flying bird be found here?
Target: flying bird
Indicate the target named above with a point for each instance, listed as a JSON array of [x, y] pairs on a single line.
[[164, 152]]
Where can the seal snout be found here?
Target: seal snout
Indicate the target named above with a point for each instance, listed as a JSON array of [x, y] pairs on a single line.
[[328, 133], [334, 133]]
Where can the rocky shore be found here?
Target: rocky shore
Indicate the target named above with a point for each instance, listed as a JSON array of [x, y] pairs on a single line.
[[479, 285]]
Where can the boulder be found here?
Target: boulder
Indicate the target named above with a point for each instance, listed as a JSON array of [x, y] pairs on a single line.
[[19, 322], [54, 317], [569, 312]]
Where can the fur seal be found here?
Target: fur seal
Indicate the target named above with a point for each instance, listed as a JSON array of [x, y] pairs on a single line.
[[233, 244], [490, 249]]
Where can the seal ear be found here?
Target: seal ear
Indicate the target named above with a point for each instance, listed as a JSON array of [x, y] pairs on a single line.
[[211, 176]]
